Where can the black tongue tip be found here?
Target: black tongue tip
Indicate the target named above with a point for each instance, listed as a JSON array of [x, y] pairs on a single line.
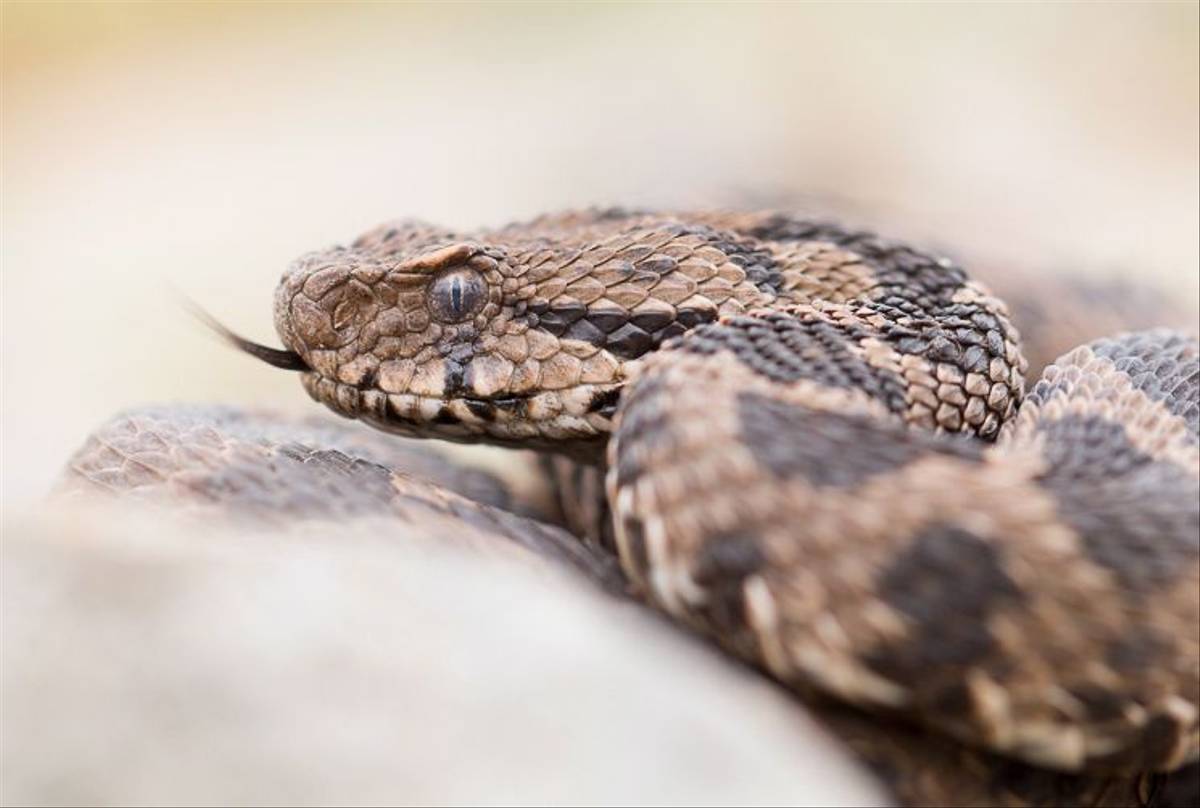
[[275, 357], [287, 360]]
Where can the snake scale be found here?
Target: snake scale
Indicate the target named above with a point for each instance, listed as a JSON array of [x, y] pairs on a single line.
[[818, 450]]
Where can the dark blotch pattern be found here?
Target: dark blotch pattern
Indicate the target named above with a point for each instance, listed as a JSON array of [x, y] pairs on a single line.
[[721, 567], [1136, 652], [1088, 447], [947, 583], [635, 536], [629, 341], [1136, 516], [760, 266], [646, 425], [1165, 365], [630, 334], [625, 334], [827, 449], [913, 293], [787, 349], [963, 335], [966, 335], [830, 449], [758, 262], [726, 557], [559, 318], [896, 263]]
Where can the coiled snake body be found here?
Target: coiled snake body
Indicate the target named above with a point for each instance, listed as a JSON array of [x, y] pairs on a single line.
[[818, 450]]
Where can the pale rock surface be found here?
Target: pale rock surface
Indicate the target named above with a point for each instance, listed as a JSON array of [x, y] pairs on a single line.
[[151, 662]]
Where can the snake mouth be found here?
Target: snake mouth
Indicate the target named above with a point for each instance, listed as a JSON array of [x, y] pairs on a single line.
[[275, 357], [580, 413]]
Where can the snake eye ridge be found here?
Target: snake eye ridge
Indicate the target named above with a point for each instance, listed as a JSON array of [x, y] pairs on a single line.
[[456, 295]]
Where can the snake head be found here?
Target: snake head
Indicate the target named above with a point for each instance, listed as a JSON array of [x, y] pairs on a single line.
[[427, 334]]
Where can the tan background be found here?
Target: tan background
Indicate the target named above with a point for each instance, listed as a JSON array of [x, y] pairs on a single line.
[[204, 145]]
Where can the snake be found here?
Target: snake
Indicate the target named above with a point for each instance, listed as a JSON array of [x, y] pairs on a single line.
[[809, 444]]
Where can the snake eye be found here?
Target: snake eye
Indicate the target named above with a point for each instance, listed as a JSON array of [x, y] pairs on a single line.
[[456, 295]]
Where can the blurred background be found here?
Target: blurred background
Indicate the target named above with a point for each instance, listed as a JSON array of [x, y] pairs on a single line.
[[199, 147], [204, 145]]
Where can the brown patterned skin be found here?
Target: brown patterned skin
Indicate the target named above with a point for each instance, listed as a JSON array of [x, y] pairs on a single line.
[[267, 468], [559, 310], [1038, 597], [317, 476], [817, 454]]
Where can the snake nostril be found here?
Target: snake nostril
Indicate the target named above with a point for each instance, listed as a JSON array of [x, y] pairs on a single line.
[[332, 321], [309, 325], [343, 314]]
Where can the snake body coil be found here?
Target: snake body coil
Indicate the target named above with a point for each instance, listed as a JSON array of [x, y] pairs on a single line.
[[819, 451]]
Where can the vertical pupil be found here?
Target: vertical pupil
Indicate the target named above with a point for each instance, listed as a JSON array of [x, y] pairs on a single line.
[[456, 295]]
